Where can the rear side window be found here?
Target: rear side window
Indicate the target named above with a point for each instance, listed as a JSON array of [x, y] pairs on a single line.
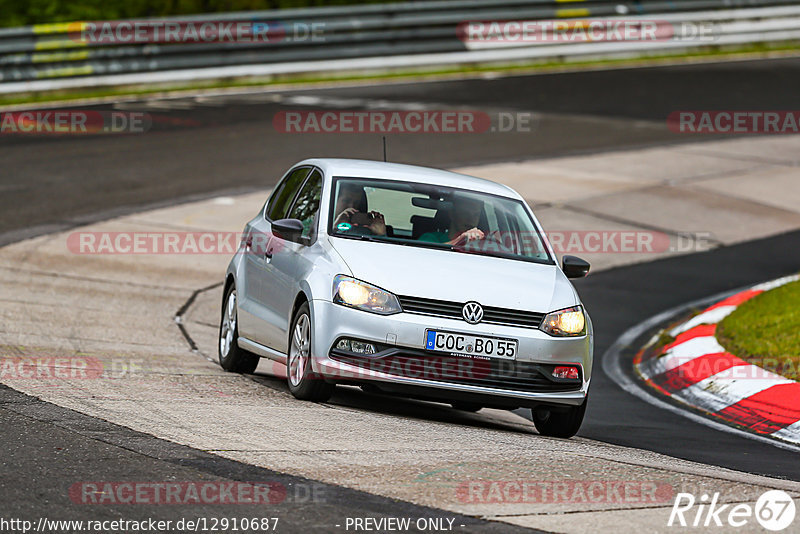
[[306, 206], [285, 193]]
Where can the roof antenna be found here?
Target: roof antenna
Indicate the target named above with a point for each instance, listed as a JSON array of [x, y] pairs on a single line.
[[384, 149]]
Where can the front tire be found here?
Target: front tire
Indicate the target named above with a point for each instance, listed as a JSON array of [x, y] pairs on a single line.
[[231, 357], [304, 384], [559, 424]]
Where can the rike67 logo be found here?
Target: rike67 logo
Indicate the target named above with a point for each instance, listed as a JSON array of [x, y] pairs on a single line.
[[774, 510]]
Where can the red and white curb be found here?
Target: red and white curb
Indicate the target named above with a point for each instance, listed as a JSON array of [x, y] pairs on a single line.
[[696, 370]]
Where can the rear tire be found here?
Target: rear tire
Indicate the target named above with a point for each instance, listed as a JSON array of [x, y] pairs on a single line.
[[559, 424], [303, 382], [231, 357]]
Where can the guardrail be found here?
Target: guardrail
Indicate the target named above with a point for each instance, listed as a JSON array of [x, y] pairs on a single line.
[[368, 36]]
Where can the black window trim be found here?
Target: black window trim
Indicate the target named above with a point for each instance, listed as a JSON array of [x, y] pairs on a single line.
[[314, 168], [294, 198]]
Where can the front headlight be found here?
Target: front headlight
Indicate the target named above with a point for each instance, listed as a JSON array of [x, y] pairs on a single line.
[[566, 322], [353, 293]]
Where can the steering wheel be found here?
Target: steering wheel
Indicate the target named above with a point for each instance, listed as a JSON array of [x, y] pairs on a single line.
[[496, 238]]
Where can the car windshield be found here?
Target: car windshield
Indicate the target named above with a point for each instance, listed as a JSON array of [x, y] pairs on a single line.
[[425, 215]]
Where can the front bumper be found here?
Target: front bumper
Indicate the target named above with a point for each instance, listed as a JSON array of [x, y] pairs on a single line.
[[406, 332]]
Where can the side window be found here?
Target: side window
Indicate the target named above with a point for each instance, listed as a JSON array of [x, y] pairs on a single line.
[[306, 206], [285, 193]]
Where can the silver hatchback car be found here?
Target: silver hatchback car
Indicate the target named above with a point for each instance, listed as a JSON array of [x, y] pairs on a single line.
[[409, 281]]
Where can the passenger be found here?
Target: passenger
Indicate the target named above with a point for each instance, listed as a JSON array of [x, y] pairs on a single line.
[[464, 218], [347, 204]]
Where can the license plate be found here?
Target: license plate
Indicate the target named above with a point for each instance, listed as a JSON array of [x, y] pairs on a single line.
[[465, 344]]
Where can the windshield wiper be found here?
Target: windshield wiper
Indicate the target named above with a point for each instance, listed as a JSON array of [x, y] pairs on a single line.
[[426, 244]]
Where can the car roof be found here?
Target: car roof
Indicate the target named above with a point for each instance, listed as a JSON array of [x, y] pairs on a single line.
[[361, 168]]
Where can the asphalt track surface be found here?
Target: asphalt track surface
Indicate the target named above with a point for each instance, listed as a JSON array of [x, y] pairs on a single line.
[[46, 449], [56, 183], [650, 93], [230, 144]]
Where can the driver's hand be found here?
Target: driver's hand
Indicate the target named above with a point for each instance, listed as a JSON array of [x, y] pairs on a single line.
[[378, 225], [344, 216], [473, 234]]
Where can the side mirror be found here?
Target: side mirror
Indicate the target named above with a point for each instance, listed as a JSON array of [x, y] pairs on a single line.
[[288, 229], [574, 267]]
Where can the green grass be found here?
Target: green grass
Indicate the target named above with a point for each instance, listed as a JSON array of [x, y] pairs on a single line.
[[25, 12], [707, 54], [765, 331]]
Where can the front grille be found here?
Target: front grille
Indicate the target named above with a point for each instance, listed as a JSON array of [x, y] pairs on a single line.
[[452, 310], [492, 373]]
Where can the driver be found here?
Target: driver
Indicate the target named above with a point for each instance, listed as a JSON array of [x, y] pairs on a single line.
[[464, 219], [350, 196]]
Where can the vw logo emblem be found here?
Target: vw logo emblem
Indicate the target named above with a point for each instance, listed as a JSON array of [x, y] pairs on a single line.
[[472, 312]]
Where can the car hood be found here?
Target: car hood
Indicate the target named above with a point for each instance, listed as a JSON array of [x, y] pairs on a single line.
[[455, 276]]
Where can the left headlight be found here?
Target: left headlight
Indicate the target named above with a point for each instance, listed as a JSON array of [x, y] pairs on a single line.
[[353, 293], [565, 323]]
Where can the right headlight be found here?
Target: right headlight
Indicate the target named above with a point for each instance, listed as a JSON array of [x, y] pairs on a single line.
[[565, 323], [354, 293]]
